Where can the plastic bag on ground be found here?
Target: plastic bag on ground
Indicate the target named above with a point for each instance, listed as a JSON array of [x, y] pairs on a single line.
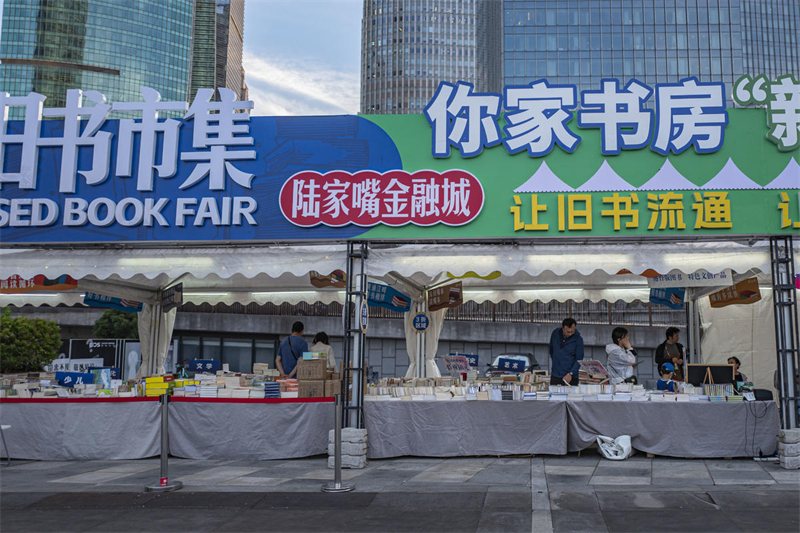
[[615, 449]]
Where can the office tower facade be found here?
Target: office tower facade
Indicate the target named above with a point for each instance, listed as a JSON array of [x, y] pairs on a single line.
[[217, 46], [115, 47], [49, 46], [581, 41], [409, 46]]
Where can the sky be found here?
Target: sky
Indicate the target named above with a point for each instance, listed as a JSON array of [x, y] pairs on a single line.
[[303, 57]]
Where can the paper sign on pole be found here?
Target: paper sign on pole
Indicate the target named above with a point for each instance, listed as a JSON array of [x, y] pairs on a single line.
[[455, 364], [700, 278], [445, 296], [743, 293]]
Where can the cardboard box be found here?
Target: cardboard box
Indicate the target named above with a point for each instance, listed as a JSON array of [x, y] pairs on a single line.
[[333, 387], [315, 369], [311, 388]]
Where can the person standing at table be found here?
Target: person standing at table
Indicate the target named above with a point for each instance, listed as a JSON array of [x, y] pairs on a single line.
[[566, 349], [671, 351], [321, 344], [621, 357], [290, 351]]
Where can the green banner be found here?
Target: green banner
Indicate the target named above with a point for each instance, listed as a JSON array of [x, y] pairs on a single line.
[[747, 187]]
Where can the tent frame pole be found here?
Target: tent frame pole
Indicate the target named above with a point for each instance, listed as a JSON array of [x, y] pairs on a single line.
[[354, 340], [786, 329]]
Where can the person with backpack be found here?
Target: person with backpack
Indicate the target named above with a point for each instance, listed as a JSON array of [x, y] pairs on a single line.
[[290, 351]]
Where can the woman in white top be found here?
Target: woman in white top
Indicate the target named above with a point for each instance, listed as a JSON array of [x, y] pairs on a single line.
[[321, 346], [621, 357]]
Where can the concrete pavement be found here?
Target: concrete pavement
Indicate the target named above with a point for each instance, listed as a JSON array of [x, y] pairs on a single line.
[[568, 493]]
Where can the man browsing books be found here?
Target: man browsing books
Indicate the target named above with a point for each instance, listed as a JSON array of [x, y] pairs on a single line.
[[290, 351], [566, 349]]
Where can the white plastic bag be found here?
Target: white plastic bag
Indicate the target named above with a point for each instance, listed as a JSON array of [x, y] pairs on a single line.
[[615, 449]]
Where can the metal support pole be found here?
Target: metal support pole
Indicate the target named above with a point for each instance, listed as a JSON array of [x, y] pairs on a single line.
[[337, 485], [164, 485]]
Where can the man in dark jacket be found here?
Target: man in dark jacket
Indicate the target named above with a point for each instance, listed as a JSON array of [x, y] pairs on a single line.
[[566, 349], [671, 351]]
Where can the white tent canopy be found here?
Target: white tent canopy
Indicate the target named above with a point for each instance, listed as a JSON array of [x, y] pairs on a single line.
[[279, 274]]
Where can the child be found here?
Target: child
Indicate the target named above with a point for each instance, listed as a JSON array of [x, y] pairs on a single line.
[[666, 383]]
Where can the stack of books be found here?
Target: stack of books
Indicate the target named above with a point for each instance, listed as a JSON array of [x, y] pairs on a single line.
[[622, 397], [272, 390], [208, 391]]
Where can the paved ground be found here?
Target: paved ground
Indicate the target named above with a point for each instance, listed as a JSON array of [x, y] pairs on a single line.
[[567, 493]]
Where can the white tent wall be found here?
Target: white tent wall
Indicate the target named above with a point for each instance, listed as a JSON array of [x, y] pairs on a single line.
[[432, 342], [155, 336], [743, 331]]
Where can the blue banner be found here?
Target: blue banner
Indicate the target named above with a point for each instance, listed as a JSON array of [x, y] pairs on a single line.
[[111, 196], [671, 297], [387, 297], [101, 300]]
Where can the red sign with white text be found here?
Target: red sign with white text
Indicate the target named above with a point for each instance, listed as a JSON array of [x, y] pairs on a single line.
[[394, 198]]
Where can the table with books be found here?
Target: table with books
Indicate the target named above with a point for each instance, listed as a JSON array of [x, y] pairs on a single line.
[[451, 418]]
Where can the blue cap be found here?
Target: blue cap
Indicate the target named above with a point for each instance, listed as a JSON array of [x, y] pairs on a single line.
[[667, 367]]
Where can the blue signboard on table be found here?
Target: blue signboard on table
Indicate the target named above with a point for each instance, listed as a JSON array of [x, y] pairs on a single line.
[[203, 365], [510, 365], [672, 297], [70, 379]]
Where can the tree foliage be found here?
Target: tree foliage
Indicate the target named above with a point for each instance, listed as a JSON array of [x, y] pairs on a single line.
[[27, 345], [116, 324]]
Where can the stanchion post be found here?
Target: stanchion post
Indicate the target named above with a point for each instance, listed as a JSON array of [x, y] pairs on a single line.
[[337, 485], [164, 484]]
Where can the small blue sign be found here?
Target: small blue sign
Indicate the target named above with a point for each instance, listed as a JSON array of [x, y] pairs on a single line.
[[70, 379], [671, 297], [510, 365], [421, 322], [203, 365], [363, 316]]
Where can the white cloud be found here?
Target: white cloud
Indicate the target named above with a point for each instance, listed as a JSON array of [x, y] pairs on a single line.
[[298, 87]]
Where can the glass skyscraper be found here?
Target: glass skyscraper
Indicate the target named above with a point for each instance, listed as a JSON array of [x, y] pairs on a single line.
[[656, 41], [112, 46], [409, 46], [118, 46], [217, 46]]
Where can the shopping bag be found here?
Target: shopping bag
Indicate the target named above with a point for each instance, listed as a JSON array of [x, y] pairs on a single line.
[[615, 449]]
